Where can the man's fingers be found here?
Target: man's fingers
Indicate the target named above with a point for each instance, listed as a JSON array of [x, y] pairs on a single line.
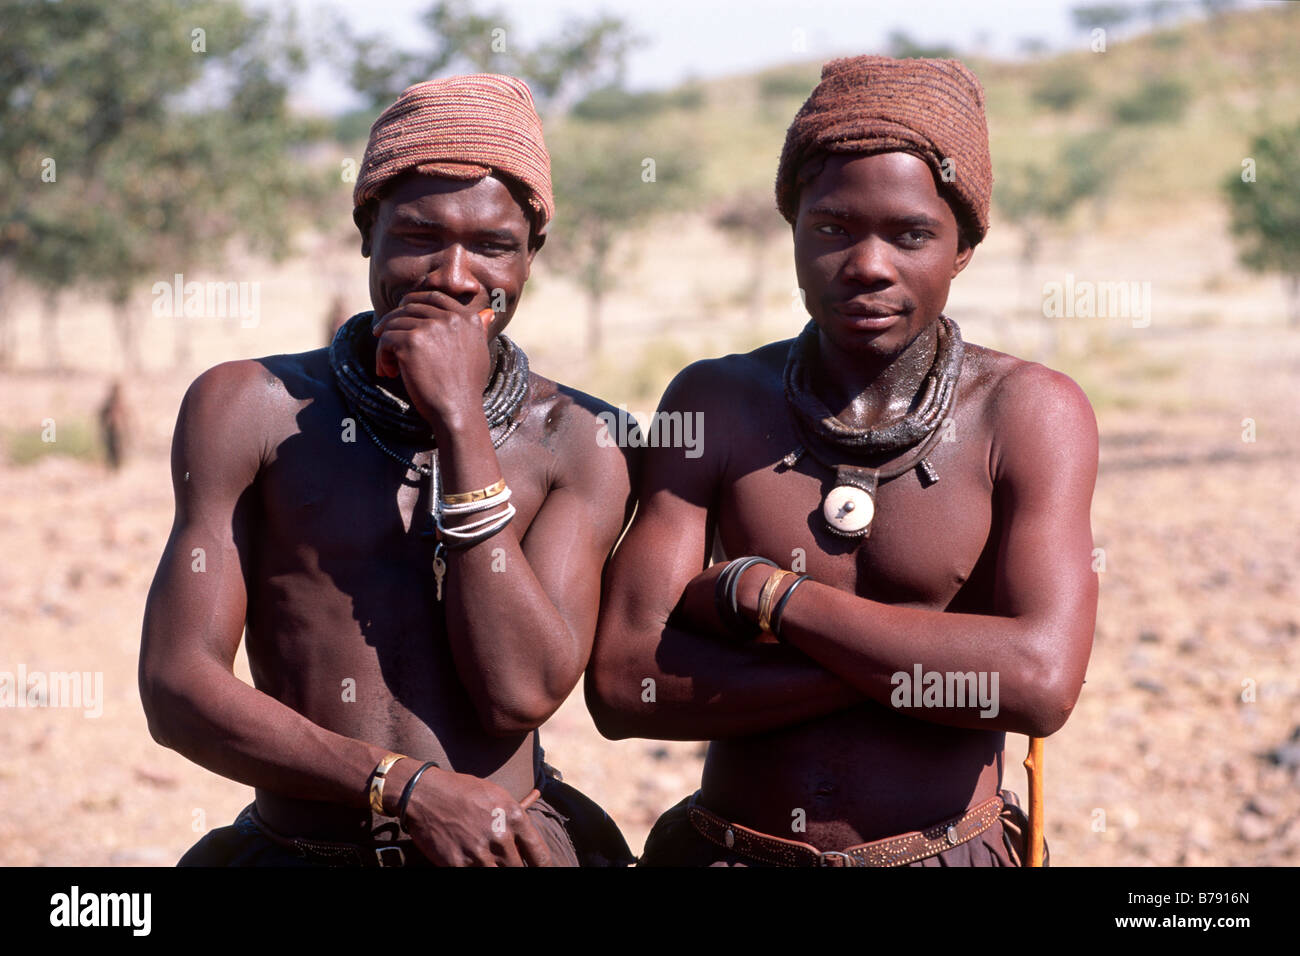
[[507, 853], [531, 844], [412, 315]]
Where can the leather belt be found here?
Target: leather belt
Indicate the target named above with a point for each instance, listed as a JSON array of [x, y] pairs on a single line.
[[891, 851], [324, 853], [402, 852]]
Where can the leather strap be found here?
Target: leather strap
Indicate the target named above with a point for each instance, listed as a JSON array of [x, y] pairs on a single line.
[[376, 854], [325, 853], [891, 851]]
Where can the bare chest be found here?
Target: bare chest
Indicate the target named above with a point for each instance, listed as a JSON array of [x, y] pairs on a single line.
[[924, 542], [332, 496]]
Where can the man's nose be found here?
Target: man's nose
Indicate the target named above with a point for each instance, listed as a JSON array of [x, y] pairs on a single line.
[[871, 262], [450, 273]]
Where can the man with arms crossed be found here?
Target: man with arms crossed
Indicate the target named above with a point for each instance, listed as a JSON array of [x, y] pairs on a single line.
[[936, 496], [411, 617]]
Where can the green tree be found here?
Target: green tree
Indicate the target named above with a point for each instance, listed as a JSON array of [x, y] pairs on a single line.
[[608, 185], [1062, 87], [1157, 100], [902, 46], [1038, 197], [749, 218], [1264, 205], [585, 55], [1105, 16], [144, 137]]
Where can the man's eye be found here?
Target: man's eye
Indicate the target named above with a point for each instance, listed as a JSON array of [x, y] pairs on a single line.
[[829, 229], [417, 238], [914, 238]]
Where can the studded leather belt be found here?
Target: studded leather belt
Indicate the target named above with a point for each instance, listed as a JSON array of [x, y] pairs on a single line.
[[891, 851]]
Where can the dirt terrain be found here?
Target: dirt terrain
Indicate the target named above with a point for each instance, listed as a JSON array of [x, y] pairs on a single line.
[[1184, 748]]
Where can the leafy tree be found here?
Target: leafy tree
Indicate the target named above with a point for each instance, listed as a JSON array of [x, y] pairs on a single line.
[[1106, 16], [786, 84], [1061, 88], [1264, 205], [1216, 8], [608, 185], [1158, 100], [613, 104], [903, 47], [750, 219], [1037, 197], [585, 55], [123, 170]]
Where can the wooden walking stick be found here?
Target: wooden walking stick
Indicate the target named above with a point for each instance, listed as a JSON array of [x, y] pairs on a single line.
[[1034, 768]]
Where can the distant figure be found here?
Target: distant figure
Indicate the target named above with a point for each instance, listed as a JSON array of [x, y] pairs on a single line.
[[335, 317], [115, 425]]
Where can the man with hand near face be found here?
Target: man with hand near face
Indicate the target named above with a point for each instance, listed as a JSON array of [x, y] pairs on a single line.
[[411, 526], [907, 518]]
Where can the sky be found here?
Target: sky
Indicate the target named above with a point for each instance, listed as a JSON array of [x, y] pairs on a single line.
[[709, 38]]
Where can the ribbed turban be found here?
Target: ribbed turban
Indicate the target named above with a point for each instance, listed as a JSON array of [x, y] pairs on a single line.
[[933, 109], [460, 127]]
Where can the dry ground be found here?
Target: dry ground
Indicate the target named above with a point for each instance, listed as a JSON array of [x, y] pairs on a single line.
[[1177, 753]]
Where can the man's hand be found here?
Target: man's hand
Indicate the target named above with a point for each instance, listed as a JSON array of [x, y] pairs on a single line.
[[440, 354], [698, 609], [460, 820]]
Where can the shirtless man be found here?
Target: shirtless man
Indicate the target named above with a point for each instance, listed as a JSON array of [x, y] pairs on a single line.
[[304, 493], [937, 498]]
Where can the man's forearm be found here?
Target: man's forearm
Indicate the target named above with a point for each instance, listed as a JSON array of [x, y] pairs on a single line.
[[208, 715], [687, 686], [513, 650], [1023, 667]]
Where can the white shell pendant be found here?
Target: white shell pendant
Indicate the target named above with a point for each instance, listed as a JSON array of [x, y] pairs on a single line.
[[848, 510]]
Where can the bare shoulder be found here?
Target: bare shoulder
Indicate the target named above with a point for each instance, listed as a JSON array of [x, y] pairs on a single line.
[[267, 381], [245, 407], [729, 382], [560, 416], [573, 427], [1030, 406]]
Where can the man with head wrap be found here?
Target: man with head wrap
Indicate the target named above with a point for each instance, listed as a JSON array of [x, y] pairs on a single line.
[[410, 525], [907, 518]]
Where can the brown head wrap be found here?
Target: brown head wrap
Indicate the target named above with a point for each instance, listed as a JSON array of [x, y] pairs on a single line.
[[933, 109], [460, 127]]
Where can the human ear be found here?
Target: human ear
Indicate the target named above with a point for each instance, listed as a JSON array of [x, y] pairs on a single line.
[[365, 220], [535, 244], [963, 257]]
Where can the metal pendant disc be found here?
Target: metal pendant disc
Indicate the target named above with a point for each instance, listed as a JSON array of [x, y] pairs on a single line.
[[848, 510]]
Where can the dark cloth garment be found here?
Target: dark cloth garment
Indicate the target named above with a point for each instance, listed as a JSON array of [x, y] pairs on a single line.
[[576, 831], [673, 841], [596, 838]]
